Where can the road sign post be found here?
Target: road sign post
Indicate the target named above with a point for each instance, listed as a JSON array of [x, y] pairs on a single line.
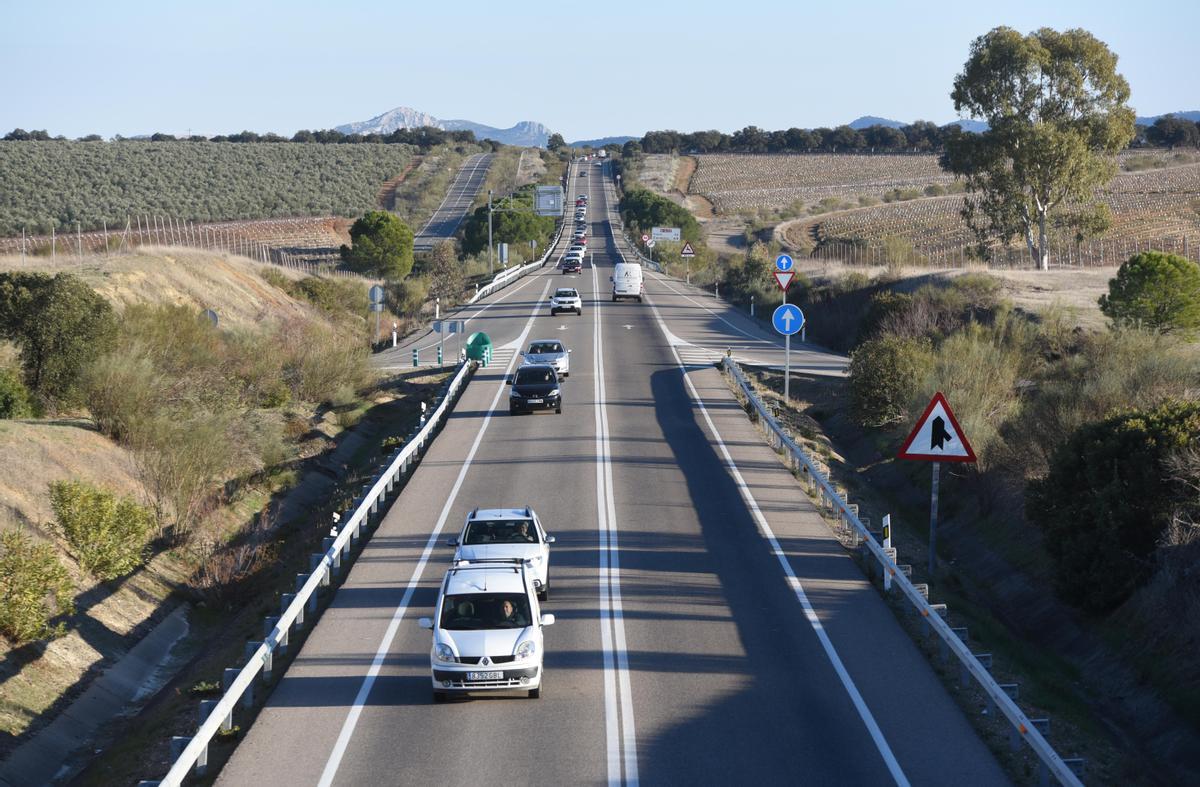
[[787, 319], [687, 252], [937, 438]]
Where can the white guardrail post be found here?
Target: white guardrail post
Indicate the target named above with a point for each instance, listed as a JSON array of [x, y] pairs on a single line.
[[196, 750], [1023, 727]]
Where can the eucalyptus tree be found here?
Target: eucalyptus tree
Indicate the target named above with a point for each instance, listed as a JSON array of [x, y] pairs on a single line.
[[1057, 114]]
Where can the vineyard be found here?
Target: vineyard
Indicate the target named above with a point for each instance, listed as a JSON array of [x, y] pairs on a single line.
[[65, 186], [309, 244], [1157, 209], [737, 182]]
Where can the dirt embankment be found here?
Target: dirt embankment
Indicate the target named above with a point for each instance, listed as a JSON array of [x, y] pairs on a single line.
[[37, 679]]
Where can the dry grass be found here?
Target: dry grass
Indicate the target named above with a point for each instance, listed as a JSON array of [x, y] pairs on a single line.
[[1037, 292]]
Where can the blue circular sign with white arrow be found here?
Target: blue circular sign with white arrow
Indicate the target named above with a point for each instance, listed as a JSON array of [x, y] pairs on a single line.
[[783, 263], [788, 319]]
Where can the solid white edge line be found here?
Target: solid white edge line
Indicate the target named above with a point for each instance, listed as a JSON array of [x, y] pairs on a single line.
[[339, 748], [860, 705], [612, 731]]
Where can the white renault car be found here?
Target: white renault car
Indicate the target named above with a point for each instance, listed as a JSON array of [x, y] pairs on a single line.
[[551, 352], [507, 533], [487, 630]]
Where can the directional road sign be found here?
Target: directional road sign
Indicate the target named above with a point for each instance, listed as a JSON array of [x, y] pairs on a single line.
[[937, 436], [687, 250], [788, 319], [783, 263], [784, 279]]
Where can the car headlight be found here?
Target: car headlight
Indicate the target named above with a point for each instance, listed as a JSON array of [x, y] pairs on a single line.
[[526, 649], [443, 652], [555, 392], [514, 395]]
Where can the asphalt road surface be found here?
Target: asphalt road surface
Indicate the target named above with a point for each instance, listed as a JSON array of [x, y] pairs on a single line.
[[709, 627], [445, 220]]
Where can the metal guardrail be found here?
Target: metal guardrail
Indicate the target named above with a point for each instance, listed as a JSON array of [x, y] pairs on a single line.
[[1023, 727], [196, 750]]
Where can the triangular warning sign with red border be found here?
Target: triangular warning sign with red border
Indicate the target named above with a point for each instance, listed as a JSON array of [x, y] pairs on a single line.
[[937, 436], [687, 250]]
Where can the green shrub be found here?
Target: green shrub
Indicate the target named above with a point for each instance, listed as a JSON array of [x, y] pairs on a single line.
[[408, 297], [60, 325], [107, 535], [884, 375], [381, 245], [34, 588], [1157, 291], [323, 363], [335, 297], [14, 398], [1108, 498], [122, 388]]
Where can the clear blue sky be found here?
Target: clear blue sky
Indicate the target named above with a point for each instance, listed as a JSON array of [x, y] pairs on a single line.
[[585, 70]]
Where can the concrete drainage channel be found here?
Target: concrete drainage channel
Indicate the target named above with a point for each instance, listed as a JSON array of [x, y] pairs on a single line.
[[313, 591], [852, 529]]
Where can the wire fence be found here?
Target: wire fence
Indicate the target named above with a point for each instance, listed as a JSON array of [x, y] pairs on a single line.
[[305, 244]]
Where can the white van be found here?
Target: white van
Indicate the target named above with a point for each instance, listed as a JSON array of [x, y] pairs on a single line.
[[627, 281]]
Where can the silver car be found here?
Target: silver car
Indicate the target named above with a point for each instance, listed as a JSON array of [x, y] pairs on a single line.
[[551, 352]]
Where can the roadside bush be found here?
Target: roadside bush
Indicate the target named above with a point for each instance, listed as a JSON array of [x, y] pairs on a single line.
[[60, 324], [321, 363], [381, 245], [107, 535], [34, 588], [884, 375], [1108, 498], [121, 388], [1157, 291], [408, 297], [338, 298], [14, 398], [1102, 373]]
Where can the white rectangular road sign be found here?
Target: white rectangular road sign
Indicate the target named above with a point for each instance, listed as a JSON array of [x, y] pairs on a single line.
[[666, 233], [548, 201]]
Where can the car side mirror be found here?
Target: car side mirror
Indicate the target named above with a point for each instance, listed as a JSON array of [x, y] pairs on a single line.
[[568, 352], [548, 619], [522, 353], [425, 623], [452, 541], [549, 539]]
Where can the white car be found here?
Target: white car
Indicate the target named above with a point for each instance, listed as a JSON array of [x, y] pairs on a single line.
[[550, 352], [507, 533], [566, 299], [487, 630]]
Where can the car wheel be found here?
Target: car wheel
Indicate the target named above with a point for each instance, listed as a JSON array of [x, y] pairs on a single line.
[[535, 694], [558, 411], [639, 299], [439, 696], [614, 299], [579, 312]]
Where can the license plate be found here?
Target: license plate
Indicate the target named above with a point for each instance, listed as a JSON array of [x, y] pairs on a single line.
[[533, 401], [473, 676]]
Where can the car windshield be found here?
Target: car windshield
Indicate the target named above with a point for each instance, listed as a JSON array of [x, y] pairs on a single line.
[[544, 348], [475, 611], [566, 294], [534, 375], [503, 531]]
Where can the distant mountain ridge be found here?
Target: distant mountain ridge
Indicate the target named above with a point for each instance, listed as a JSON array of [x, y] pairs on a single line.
[[527, 133], [1192, 115], [866, 121]]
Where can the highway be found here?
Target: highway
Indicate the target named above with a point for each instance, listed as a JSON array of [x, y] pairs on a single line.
[[709, 628], [445, 220]]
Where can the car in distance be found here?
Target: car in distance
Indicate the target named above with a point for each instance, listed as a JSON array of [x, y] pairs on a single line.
[[487, 630], [549, 351], [507, 534], [566, 299], [534, 387]]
